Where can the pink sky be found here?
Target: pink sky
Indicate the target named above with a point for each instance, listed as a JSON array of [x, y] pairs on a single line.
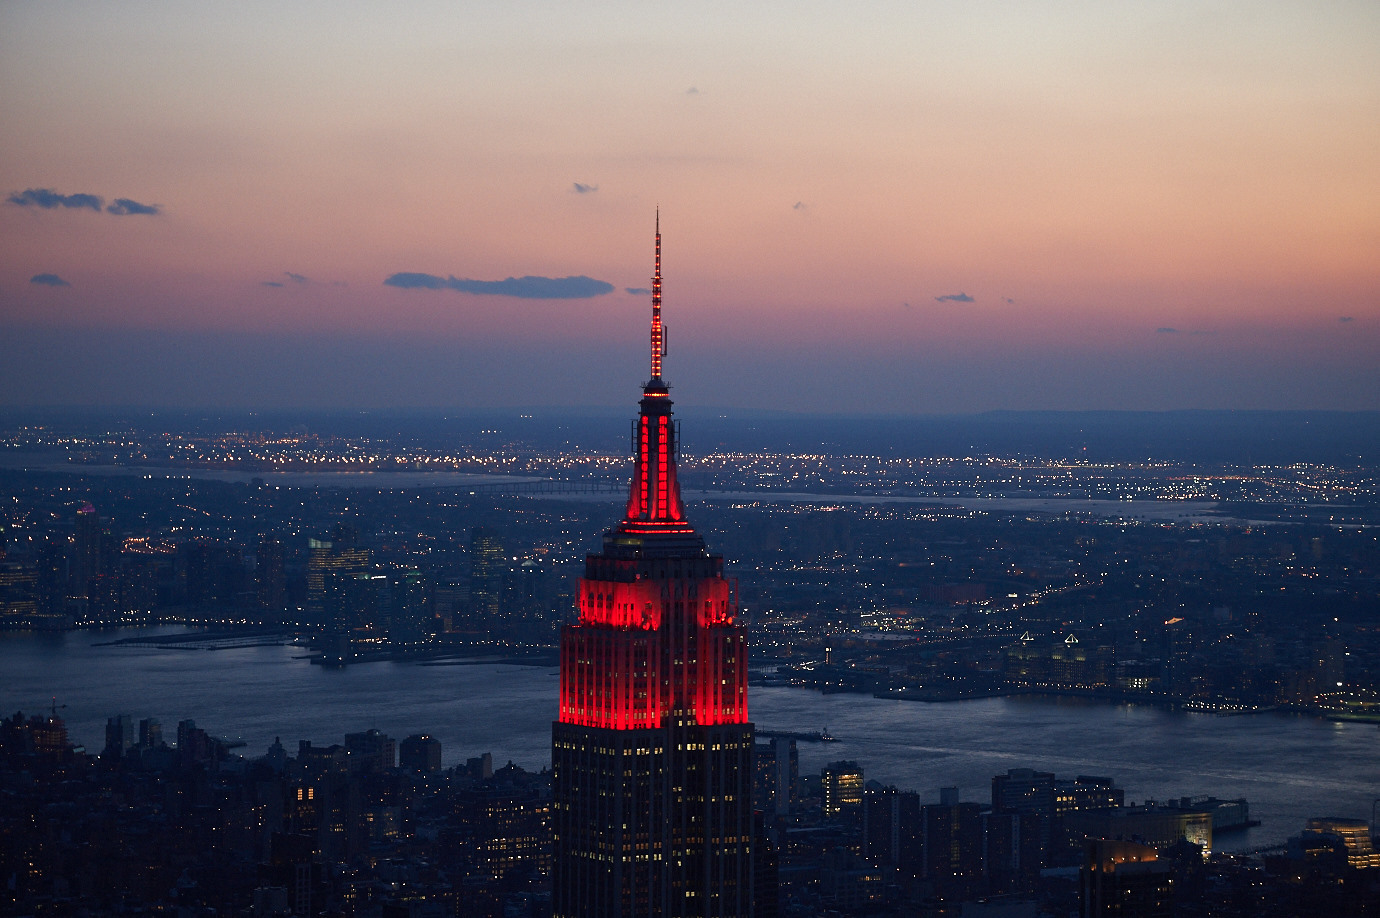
[[1150, 205]]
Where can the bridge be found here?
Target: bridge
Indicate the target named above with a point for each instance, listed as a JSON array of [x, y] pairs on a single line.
[[550, 486]]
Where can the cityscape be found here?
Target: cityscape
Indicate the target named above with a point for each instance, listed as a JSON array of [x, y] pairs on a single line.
[[1210, 591], [970, 508]]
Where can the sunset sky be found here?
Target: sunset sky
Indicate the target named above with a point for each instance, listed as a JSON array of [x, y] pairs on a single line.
[[908, 207]]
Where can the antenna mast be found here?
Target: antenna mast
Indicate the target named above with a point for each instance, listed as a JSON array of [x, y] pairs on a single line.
[[658, 333]]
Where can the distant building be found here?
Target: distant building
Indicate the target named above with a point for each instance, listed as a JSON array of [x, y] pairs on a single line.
[[1124, 879], [1011, 852], [212, 571], [371, 750], [487, 566], [86, 552], [849, 884], [334, 566], [1153, 824], [409, 607], [842, 783], [150, 733], [954, 594], [510, 822], [892, 831], [420, 752], [1354, 834], [777, 775], [952, 845], [526, 611], [1064, 663], [19, 595], [270, 580], [481, 766], [119, 736], [1024, 790]]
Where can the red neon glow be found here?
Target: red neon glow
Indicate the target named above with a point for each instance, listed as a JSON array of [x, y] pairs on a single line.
[[655, 494], [620, 605], [656, 528], [663, 511], [610, 678], [648, 646], [658, 342], [721, 682]]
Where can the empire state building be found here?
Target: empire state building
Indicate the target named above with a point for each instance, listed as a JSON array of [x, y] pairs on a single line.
[[652, 751]]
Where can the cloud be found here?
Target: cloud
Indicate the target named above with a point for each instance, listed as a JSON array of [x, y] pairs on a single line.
[[409, 280], [524, 288], [954, 298], [692, 91], [582, 188], [49, 280], [1346, 318], [1010, 301], [800, 205], [292, 276], [124, 207], [639, 291], [47, 198], [1165, 330]]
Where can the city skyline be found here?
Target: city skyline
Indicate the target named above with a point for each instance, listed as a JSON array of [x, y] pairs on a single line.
[[922, 210]]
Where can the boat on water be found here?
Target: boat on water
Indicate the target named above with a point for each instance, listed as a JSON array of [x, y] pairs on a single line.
[[822, 736]]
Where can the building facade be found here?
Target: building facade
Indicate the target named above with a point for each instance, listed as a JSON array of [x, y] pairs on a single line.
[[652, 749]]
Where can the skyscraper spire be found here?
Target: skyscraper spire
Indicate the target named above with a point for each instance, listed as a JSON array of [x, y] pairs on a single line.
[[651, 751], [654, 505], [658, 333]]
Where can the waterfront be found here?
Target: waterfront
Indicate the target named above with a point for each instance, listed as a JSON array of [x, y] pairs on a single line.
[[1288, 767]]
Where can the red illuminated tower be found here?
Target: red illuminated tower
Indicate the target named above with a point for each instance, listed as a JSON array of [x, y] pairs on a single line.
[[652, 752]]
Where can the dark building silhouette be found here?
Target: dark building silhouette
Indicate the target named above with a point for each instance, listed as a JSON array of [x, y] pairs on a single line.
[[1125, 879], [50, 590], [892, 831], [525, 609], [119, 736], [777, 779], [410, 607], [86, 552], [766, 864], [212, 571], [138, 586], [952, 846], [509, 818], [270, 580], [102, 599], [150, 733], [420, 752], [371, 750], [652, 752], [1051, 799], [1011, 852]]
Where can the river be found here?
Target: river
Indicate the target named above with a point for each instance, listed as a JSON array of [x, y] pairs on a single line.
[[1289, 767]]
